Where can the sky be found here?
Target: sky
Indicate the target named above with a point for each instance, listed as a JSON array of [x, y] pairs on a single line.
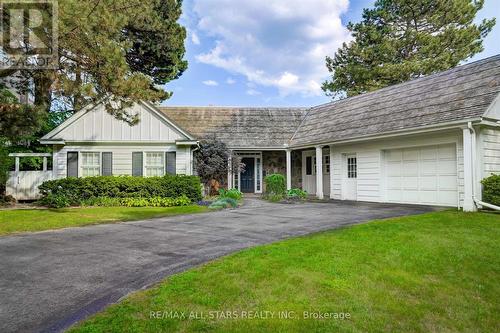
[[271, 52]]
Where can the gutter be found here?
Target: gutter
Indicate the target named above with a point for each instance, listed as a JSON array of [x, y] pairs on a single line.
[[473, 153]]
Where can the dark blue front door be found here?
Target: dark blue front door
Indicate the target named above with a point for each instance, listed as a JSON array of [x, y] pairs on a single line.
[[247, 177]]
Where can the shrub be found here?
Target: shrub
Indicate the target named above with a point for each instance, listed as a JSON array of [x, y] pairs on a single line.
[[137, 202], [491, 189], [296, 193], [55, 201], [76, 190], [275, 184], [232, 193], [224, 203]]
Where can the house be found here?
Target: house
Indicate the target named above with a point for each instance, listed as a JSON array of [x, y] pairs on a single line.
[[427, 141]]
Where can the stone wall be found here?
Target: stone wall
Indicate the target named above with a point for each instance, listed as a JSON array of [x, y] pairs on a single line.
[[275, 162]]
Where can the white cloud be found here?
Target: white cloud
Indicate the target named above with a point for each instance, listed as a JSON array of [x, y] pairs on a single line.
[[253, 92], [230, 80], [273, 42], [211, 83], [194, 38]]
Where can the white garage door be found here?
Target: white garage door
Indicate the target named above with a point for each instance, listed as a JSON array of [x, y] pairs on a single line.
[[423, 175]]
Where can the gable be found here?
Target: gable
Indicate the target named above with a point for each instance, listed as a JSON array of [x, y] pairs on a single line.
[[95, 124]]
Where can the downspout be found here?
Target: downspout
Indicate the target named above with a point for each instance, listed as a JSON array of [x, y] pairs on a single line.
[[192, 156], [473, 153]]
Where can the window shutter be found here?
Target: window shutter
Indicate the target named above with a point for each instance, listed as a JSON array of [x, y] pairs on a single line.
[[137, 163], [107, 164], [170, 163], [72, 164]]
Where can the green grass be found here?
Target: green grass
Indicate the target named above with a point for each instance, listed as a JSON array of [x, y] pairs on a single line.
[[25, 220], [437, 272]]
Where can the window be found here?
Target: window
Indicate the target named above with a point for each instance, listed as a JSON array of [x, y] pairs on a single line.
[[352, 168], [91, 164], [327, 164], [155, 165], [308, 165]]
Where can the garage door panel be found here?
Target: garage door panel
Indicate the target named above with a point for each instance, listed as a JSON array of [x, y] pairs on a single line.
[[425, 175]]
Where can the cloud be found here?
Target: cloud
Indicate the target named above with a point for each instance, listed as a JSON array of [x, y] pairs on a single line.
[[253, 92], [230, 80], [211, 83], [275, 43], [194, 38]]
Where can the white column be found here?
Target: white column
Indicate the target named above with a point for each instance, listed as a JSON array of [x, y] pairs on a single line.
[[319, 172], [288, 169], [229, 173], [331, 172], [469, 205], [17, 165], [44, 163]]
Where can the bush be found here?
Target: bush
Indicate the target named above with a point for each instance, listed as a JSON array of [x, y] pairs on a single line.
[[77, 190], [224, 203], [137, 202], [55, 201], [275, 184], [232, 193], [491, 189], [296, 193]]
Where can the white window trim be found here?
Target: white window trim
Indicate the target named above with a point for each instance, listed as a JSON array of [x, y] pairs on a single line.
[[144, 161], [80, 160]]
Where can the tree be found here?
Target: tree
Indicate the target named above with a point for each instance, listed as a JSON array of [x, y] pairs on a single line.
[[399, 40], [211, 162], [113, 52]]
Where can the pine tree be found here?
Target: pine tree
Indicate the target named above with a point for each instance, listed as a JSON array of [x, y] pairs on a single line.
[[399, 40]]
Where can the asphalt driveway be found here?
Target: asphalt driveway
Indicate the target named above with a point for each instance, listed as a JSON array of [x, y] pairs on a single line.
[[49, 280]]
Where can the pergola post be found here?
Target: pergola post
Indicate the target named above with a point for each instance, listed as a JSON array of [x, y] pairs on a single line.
[[288, 169], [44, 163], [331, 172], [319, 172]]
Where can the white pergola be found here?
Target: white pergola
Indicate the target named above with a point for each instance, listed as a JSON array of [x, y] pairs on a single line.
[[19, 155]]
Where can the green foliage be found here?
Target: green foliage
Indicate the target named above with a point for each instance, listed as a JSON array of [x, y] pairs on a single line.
[[55, 200], [275, 184], [233, 193], [77, 190], [399, 40], [491, 189], [111, 51], [137, 202], [224, 203], [296, 193]]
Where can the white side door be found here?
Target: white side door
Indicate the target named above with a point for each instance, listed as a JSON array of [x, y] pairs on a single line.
[[350, 177], [309, 171]]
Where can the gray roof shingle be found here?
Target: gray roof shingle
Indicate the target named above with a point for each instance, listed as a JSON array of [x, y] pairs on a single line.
[[239, 127], [462, 93], [459, 94]]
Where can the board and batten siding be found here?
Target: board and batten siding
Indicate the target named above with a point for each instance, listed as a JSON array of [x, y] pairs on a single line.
[[490, 141], [122, 156], [99, 125], [370, 162]]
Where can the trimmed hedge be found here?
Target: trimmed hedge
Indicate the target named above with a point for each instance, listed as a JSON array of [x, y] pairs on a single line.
[[76, 190], [491, 189]]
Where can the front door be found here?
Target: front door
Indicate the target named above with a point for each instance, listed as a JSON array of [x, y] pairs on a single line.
[[248, 176], [350, 178]]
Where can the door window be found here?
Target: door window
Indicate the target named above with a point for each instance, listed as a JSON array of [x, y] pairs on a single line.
[[352, 167]]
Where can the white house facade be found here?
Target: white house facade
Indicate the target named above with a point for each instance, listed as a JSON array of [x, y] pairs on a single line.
[[427, 141]]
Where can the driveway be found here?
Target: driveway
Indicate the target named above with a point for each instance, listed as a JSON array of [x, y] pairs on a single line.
[[49, 280]]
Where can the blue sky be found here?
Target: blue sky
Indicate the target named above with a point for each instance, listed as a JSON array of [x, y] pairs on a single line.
[[270, 52]]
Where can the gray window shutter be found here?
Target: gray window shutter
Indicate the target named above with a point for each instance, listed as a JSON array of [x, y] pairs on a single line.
[[170, 163], [107, 164], [72, 164], [137, 163]]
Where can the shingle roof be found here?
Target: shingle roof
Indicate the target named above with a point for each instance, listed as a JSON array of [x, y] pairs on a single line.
[[464, 92], [240, 127]]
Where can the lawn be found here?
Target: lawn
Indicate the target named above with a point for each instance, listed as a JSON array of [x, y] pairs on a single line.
[[24, 220], [437, 272]]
